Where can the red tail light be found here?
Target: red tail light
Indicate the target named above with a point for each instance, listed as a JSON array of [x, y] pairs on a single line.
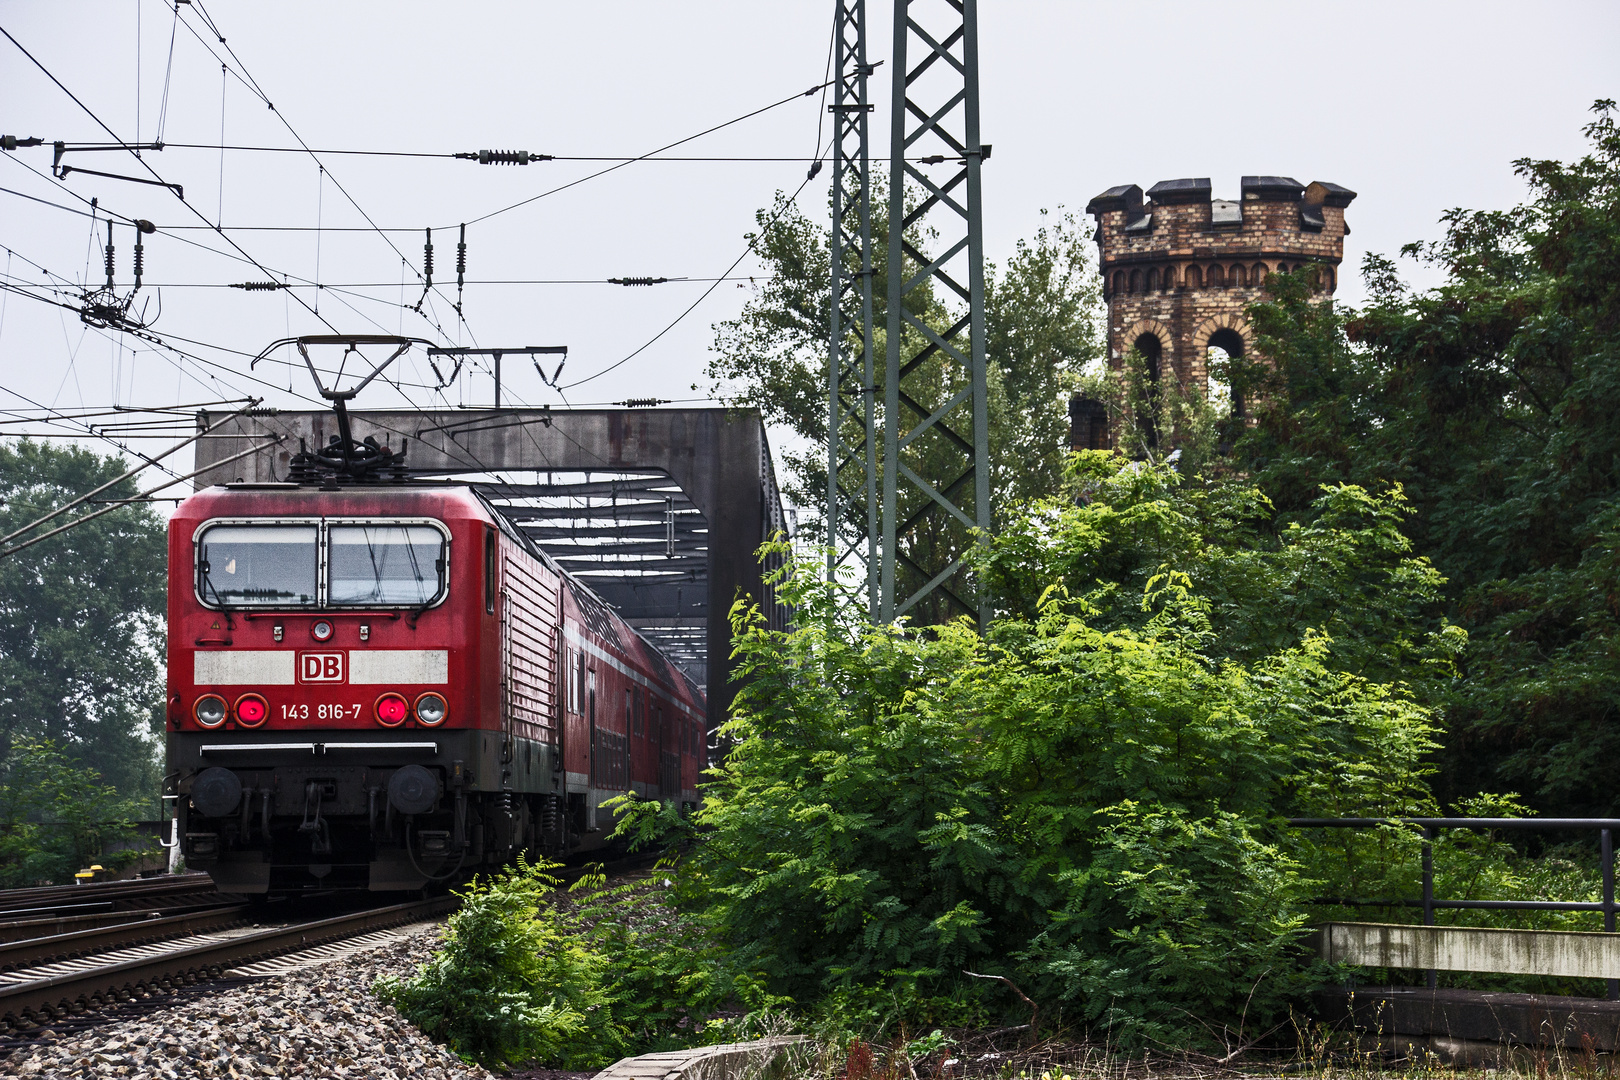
[[392, 710], [251, 710]]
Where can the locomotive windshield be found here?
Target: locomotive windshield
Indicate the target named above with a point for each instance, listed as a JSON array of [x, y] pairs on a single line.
[[258, 565], [384, 564], [278, 564]]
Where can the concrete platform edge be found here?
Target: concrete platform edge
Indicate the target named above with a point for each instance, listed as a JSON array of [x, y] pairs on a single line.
[[728, 1061]]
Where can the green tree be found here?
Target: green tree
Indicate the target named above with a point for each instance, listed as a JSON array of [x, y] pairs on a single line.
[[1042, 323], [1494, 401], [81, 618], [57, 817]]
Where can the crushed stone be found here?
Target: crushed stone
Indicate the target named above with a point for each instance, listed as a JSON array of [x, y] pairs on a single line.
[[318, 1021]]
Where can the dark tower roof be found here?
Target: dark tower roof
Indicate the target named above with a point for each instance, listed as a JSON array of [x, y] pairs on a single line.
[[1123, 197], [1327, 194], [1273, 188], [1192, 190]]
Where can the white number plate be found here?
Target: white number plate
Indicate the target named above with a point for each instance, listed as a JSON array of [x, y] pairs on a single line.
[[322, 711]]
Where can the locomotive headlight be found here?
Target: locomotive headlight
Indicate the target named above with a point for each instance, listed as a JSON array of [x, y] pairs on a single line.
[[209, 710], [431, 709], [251, 710], [321, 630], [392, 710]]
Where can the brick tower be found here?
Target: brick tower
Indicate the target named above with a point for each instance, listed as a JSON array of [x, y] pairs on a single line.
[[1179, 269]]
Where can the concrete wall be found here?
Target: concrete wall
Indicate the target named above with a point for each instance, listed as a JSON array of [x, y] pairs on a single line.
[[1467, 948]]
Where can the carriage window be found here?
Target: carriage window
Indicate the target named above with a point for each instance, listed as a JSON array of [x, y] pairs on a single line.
[[489, 571], [570, 702], [384, 564], [257, 565], [579, 676]]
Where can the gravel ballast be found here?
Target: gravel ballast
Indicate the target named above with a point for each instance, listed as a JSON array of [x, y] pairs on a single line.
[[318, 1021]]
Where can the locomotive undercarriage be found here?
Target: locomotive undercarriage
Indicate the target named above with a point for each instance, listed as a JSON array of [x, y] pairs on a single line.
[[285, 815]]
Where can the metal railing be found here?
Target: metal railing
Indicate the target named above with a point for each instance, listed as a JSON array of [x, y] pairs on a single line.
[[1430, 825]]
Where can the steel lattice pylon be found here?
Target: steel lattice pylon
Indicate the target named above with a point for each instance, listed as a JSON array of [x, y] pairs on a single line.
[[936, 452], [852, 502]]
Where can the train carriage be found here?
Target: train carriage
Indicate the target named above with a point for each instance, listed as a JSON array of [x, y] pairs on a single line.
[[382, 685]]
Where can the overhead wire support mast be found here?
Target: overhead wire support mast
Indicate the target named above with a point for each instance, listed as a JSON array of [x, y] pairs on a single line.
[[936, 446], [852, 497]]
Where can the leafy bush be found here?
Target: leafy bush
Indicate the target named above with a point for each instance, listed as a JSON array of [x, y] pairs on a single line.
[[576, 979], [57, 817], [508, 985], [1086, 801]]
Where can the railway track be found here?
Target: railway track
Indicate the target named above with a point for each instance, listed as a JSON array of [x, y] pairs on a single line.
[[107, 898], [76, 971], [113, 966]]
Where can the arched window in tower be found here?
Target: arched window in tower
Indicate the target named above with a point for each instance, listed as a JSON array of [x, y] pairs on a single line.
[[1236, 275], [1212, 277], [1119, 281], [1168, 282], [1136, 281], [1153, 279], [1193, 278], [1327, 278], [1257, 274], [1150, 391], [1225, 348]]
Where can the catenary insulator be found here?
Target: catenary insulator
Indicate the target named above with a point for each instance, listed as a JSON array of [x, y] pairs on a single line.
[[509, 157]]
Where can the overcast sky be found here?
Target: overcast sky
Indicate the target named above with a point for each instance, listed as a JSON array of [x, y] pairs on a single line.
[[1417, 106]]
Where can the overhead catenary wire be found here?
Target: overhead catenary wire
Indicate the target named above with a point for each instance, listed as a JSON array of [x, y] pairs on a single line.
[[248, 260], [276, 286], [142, 497], [199, 214], [752, 244], [291, 285], [65, 507], [654, 156], [183, 354], [143, 162], [651, 153], [258, 91]]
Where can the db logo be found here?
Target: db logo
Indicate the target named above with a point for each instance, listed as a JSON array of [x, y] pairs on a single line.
[[320, 667]]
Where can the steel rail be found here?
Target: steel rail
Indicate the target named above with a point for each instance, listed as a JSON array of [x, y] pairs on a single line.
[[23, 1004], [80, 943], [96, 891], [51, 925]]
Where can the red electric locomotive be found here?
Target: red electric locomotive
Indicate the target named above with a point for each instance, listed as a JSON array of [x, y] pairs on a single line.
[[380, 685]]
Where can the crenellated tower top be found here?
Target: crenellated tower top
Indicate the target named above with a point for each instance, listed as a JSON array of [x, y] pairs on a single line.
[[1180, 266]]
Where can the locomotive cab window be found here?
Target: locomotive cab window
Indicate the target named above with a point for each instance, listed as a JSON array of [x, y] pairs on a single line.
[[385, 564], [258, 565], [321, 564]]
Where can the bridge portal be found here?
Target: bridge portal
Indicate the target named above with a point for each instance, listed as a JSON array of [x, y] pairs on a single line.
[[660, 511]]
